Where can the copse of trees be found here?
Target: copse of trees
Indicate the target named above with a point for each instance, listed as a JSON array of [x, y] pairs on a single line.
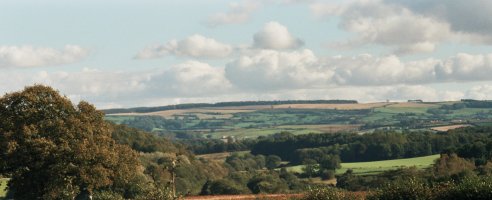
[[52, 149], [143, 141], [380, 145]]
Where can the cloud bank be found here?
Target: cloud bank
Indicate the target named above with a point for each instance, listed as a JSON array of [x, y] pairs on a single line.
[[29, 56]]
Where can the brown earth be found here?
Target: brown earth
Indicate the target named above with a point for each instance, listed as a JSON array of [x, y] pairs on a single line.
[[450, 127]]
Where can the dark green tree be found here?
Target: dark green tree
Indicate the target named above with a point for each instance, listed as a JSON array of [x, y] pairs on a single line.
[[273, 161]]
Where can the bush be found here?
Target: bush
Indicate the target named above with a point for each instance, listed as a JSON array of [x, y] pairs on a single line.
[[469, 188], [327, 174], [410, 189], [330, 193], [107, 195], [223, 186]]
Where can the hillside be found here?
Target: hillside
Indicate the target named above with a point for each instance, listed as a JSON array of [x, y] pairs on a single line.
[[241, 120]]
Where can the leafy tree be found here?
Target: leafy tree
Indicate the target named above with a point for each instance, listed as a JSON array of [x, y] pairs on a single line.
[[272, 161], [330, 162], [55, 150], [310, 168], [452, 166]]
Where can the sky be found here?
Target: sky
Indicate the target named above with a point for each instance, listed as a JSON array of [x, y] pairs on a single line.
[[128, 53]]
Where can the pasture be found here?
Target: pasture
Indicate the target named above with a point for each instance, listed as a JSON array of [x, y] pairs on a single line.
[[375, 167], [220, 157], [262, 120], [294, 129]]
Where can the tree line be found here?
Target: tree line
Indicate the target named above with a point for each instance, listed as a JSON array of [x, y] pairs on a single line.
[[379, 145]]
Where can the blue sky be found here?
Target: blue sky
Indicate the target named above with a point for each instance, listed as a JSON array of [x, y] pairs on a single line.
[[148, 52]]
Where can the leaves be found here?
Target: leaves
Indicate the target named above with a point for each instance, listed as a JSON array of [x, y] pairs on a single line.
[[53, 149]]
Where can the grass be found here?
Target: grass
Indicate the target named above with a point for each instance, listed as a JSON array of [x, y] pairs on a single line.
[[118, 119], [469, 111], [375, 167], [220, 157], [3, 187], [256, 132], [397, 110]]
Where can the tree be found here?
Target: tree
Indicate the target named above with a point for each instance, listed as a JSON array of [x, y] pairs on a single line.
[[272, 161], [452, 166], [330, 162], [55, 150], [310, 168]]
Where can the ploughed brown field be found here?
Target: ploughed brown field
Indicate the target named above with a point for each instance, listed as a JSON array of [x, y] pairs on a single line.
[[450, 127], [226, 112]]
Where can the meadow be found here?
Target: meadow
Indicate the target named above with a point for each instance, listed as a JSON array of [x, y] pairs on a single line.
[[252, 121], [376, 167]]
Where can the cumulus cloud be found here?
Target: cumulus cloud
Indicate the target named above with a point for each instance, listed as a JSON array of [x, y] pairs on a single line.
[[465, 67], [269, 69], [369, 70], [276, 36], [190, 79], [480, 92], [410, 27], [375, 22], [472, 17], [29, 56], [196, 46], [238, 13], [387, 70]]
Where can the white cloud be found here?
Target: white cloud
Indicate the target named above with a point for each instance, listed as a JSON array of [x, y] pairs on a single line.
[[238, 13], [276, 36], [387, 70], [196, 46], [480, 92], [465, 67], [471, 17], [273, 70], [269, 69], [389, 25], [191, 78], [29, 56]]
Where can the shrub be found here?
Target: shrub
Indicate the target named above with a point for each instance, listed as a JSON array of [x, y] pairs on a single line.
[[410, 189], [327, 174], [329, 193], [469, 188]]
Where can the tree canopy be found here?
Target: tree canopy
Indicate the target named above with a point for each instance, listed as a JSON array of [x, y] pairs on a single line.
[[53, 149]]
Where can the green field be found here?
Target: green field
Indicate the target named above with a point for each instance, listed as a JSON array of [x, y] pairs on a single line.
[[256, 132], [3, 187], [375, 167], [263, 122]]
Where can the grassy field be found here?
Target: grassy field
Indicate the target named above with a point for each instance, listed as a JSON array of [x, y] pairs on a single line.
[[375, 167], [220, 157], [294, 129], [3, 187], [262, 120]]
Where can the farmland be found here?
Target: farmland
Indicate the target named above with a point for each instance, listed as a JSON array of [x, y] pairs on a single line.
[[375, 167], [251, 121]]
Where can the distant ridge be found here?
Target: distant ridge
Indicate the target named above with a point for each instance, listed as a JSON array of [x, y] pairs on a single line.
[[222, 104]]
